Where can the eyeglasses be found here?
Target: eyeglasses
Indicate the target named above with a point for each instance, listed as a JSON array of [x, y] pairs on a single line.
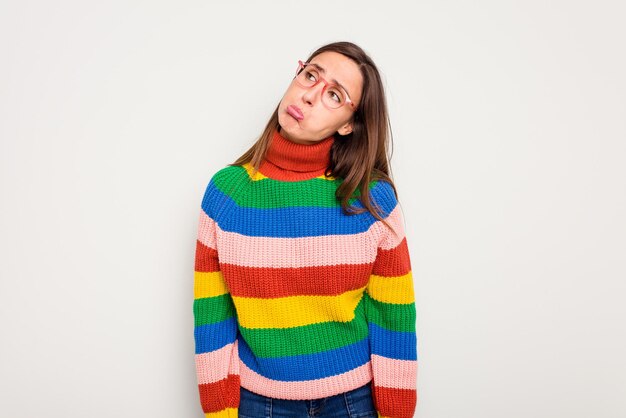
[[333, 96]]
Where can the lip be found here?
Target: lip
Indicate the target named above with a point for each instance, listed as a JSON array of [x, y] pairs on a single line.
[[295, 112]]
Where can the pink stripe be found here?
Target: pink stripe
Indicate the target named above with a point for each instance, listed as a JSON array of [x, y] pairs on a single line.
[[234, 360], [217, 365], [393, 373], [274, 252], [309, 389], [396, 221], [206, 230]]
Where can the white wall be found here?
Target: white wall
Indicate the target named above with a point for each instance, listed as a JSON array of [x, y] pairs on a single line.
[[509, 121]]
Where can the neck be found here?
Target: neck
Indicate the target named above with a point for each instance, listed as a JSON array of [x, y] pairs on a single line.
[[292, 161]]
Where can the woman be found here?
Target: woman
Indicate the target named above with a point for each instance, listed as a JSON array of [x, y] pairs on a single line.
[[303, 291]]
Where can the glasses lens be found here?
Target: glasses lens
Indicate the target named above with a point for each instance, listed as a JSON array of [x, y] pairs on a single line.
[[307, 77], [334, 97]]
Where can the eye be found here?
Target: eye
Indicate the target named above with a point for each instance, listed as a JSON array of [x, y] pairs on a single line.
[[310, 75], [335, 95]]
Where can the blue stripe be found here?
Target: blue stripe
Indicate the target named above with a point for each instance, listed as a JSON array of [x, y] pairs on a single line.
[[393, 344], [307, 366], [210, 337], [292, 222]]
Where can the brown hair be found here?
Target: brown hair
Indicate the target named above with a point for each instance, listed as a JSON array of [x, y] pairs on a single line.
[[359, 157]]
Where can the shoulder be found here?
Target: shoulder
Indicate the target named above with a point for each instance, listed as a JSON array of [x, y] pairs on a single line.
[[222, 186], [227, 177], [382, 194]]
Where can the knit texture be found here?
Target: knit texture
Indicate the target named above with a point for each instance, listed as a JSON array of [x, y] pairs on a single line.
[[294, 299]]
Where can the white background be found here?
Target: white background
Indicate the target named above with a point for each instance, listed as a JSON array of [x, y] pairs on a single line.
[[509, 123]]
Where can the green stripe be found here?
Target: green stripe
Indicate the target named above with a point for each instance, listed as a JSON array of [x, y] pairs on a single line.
[[213, 309], [314, 192], [306, 339], [391, 316]]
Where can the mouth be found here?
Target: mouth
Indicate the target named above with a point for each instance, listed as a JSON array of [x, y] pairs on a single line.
[[295, 112]]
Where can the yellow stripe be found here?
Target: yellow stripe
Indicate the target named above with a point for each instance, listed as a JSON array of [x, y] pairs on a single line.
[[209, 284], [392, 289], [257, 176], [225, 413], [323, 177], [294, 311]]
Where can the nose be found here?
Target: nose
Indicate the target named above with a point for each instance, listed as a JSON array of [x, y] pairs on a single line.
[[312, 94]]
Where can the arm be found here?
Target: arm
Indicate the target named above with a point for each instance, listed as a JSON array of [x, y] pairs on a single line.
[[390, 310], [215, 327]]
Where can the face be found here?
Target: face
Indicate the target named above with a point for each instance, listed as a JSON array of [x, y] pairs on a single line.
[[319, 121]]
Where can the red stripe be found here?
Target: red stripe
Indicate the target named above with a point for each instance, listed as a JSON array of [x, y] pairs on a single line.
[[206, 258], [220, 395], [397, 403], [393, 262], [267, 282]]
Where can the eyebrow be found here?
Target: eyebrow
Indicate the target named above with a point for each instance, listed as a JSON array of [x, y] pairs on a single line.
[[323, 71]]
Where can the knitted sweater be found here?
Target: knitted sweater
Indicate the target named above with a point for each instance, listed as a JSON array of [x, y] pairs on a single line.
[[294, 299]]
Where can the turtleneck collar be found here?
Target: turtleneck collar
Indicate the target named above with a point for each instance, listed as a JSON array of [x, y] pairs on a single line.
[[291, 161]]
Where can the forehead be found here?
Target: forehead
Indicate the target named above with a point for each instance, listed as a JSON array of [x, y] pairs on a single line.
[[343, 69]]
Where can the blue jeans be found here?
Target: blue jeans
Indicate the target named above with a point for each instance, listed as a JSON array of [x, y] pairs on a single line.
[[357, 403]]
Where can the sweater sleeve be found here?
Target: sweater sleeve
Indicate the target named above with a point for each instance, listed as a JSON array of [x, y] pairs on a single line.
[[215, 325], [391, 316]]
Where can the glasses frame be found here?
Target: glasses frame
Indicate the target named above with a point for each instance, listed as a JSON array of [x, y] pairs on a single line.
[[302, 65]]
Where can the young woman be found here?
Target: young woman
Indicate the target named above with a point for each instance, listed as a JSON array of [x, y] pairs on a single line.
[[304, 301]]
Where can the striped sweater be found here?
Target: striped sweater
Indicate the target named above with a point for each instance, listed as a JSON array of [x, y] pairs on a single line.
[[294, 299]]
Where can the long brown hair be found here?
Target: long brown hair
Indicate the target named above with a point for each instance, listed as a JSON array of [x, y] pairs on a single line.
[[359, 157]]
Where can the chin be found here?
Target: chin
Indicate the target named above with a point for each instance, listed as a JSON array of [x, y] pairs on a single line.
[[287, 133], [289, 124]]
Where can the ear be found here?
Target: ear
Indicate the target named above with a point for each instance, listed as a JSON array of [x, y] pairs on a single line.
[[345, 129]]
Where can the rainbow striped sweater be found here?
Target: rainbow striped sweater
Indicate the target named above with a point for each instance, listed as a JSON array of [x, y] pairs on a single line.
[[294, 299]]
